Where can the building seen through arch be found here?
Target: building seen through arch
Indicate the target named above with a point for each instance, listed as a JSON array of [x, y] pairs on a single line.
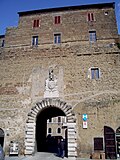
[[42, 127]]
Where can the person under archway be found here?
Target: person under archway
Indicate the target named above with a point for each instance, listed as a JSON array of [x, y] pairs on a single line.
[[62, 148]]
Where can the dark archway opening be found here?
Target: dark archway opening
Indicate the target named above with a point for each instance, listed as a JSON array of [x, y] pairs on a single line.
[[1, 137], [41, 128]]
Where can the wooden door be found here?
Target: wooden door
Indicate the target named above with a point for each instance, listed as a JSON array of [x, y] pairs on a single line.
[[110, 143], [118, 142]]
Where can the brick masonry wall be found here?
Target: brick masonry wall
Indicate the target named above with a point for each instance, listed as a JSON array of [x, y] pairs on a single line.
[[23, 70], [22, 86], [73, 27]]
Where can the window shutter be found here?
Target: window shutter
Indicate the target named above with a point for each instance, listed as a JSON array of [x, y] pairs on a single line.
[[88, 16], [36, 40], [92, 17], [34, 22], [33, 41], [37, 23], [58, 19], [55, 19]]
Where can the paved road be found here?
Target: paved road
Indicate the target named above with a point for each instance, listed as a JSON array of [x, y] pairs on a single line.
[[43, 156], [39, 156]]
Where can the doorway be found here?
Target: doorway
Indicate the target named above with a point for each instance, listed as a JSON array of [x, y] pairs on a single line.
[[110, 143], [46, 142], [118, 142], [1, 137], [37, 121]]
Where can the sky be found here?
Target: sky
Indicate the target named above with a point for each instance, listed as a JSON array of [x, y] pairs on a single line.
[[9, 9]]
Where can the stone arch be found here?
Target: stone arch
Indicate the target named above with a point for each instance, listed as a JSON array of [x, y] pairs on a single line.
[[31, 125]]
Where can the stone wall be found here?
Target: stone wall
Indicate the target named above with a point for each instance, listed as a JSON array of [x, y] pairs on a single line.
[[23, 84], [24, 69], [74, 27]]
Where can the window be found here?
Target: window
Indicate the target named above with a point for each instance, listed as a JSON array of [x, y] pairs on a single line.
[[90, 17], [95, 73], [92, 36], [59, 119], [49, 130], [3, 43], [59, 130], [57, 19], [57, 38], [106, 13], [50, 120], [36, 23], [98, 143], [35, 40]]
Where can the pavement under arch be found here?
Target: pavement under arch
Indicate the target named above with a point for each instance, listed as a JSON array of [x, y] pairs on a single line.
[[39, 156]]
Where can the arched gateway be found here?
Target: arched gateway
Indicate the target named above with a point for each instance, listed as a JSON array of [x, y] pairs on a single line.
[[30, 137]]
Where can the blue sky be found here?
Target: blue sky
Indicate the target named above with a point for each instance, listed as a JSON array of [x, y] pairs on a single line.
[[9, 9]]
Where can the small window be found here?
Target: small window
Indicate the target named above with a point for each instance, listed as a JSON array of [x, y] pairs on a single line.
[[57, 38], [50, 120], [35, 40], [59, 130], [92, 36], [3, 43], [57, 20], [36, 23], [90, 17], [98, 143], [59, 119], [49, 130], [106, 13], [95, 73]]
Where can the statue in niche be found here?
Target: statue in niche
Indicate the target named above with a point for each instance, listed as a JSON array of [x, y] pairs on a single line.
[[51, 88]]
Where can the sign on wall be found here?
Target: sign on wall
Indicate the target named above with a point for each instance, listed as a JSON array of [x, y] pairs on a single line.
[[85, 118], [84, 124]]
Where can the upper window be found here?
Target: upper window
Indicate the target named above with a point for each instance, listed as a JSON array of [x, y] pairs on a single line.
[[50, 120], [92, 36], [36, 23], [57, 38], [95, 73], [57, 19], [59, 119], [35, 40], [106, 13], [59, 130], [49, 130], [90, 17]]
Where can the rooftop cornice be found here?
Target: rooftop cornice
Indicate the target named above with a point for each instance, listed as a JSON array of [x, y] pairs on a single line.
[[88, 6]]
